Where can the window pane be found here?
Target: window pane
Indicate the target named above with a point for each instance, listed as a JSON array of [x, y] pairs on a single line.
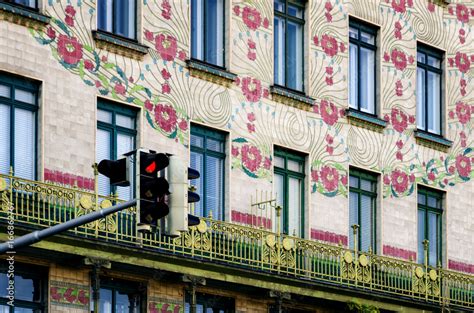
[[294, 207], [434, 105], [125, 121], [420, 98], [104, 116], [197, 29], [367, 83], [435, 62], [27, 289], [125, 143], [353, 76], [4, 308], [5, 134], [420, 57], [23, 310], [295, 166], [279, 162], [280, 5], [24, 96], [197, 163], [353, 215], [433, 237], [368, 38], [197, 141], [4, 91], [279, 53], [123, 303], [214, 186], [295, 56], [215, 32], [432, 202], [215, 145], [366, 223], [353, 33], [105, 301], [280, 193], [295, 11], [124, 18], [354, 182], [103, 146], [104, 15], [421, 198], [24, 141], [421, 236]]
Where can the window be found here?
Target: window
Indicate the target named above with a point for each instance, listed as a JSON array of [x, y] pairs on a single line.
[[116, 135], [362, 209], [18, 123], [206, 303], [118, 296], [362, 48], [289, 186], [31, 285], [430, 212], [26, 3], [117, 17], [207, 156], [288, 41], [428, 89], [207, 31]]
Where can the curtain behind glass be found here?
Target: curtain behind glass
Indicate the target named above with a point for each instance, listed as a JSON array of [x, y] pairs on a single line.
[[197, 29], [434, 103], [295, 56], [24, 141], [4, 139], [420, 98], [279, 53], [124, 18], [214, 186], [215, 32], [125, 143], [197, 163], [353, 216], [366, 221], [294, 207], [367, 80], [280, 194], [104, 15], [103, 152], [105, 301], [421, 236], [353, 76], [433, 238]]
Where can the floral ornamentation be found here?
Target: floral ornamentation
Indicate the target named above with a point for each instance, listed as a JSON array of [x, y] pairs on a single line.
[[167, 46], [252, 89], [251, 18], [165, 116], [399, 6], [462, 13], [329, 112], [463, 112], [329, 45], [399, 120], [330, 180], [252, 160], [399, 181], [399, 59], [69, 49], [463, 165], [462, 62], [60, 294]]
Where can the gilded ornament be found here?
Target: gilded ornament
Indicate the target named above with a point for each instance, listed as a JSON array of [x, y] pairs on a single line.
[[3, 184], [433, 275], [202, 227], [419, 272], [363, 260], [288, 244], [86, 202], [270, 240], [105, 204], [348, 257]]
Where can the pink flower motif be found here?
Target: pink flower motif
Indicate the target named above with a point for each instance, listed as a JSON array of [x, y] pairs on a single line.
[[166, 14], [252, 89], [462, 134], [328, 17], [451, 114], [130, 79], [463, 82], [183, 125], [329, 150], [399, 59], [148, 105], [182, 55], [329, 81], [266, 23], [397, 34], [251, 55], [399, 181], [398, 25], [463, 143], [398, 88], [267, 163], [451, 169], [235, 151], [342, 47], [70, 10], [410, 3], [399, 6], [251, 44], [344, 180], [237, 81], [463, 112], [251, 157], [329, 70], [316, 109], [98, 84], [431, 7], [251, 117], [250, 127], [329, 139], [329, 112], [104, 58], [411, 59], [399, 144], [149, 35], [165, 88], [411, 119], [266, 93], [431, 176], [165, 74], [316, 40], [342, 113], [329, 45], [399, 120], [69, 20], [51, 33], [88, 65], [314, 175], [251, 18], [119, 89], [412, 178], [462, 62], [328, 6], [450, 10], [236, 10], [399, 156], [167, 46], [329, 178], [386, 180], [69, 49], [165, 116], [462, 13], [386, 57]]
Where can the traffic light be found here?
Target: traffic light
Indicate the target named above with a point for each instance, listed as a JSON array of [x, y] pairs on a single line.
[[151, 188], [118, 171], [179, 219]]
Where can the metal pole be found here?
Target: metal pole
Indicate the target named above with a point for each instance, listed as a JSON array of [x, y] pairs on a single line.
[[39, 235]]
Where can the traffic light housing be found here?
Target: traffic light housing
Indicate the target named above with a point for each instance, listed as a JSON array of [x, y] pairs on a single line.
[[152, 188], [118, 171]]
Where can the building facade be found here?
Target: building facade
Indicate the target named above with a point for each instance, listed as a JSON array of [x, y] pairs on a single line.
[[334, 141]]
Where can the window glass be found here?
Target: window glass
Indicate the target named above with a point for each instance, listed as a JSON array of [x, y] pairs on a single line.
[[368, 38], [27, 3], [215, 145], [294, 166], [280, 5], [430, 214], [104, 116], [25, 96], [420, 98], [367, 83], [24, 144], [280, 47], [434, 105], [279, 161], [4, 139], [117, 17], [353, 32], [125, 121], [294, 206], [4, 91], [435, 62], [353, 76]]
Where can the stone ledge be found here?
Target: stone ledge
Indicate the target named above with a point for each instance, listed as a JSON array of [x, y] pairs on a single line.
[[432, 141], [210, 72], [122, 46], [291, 97], [23, 16], [365, 120]]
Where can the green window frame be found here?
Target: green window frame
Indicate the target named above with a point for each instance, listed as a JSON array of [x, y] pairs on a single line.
[[210, 303], [112, 292], [363, 209], [290, 166], [112, 118], [430, 225], [18, 96], [31, 288], [208, 157]]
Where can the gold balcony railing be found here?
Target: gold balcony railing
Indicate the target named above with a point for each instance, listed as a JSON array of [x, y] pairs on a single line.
[[38, 204]]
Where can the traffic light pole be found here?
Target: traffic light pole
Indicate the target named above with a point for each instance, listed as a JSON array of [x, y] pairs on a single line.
[[39, 235]]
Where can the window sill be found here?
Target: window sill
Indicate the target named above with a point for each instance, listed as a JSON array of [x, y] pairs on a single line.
[[365, 120], [291, 97], [119, 45], [432, 141], [210, 73], [23, 16]]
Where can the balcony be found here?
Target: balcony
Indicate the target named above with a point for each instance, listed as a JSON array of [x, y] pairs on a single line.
[[35, 205]]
